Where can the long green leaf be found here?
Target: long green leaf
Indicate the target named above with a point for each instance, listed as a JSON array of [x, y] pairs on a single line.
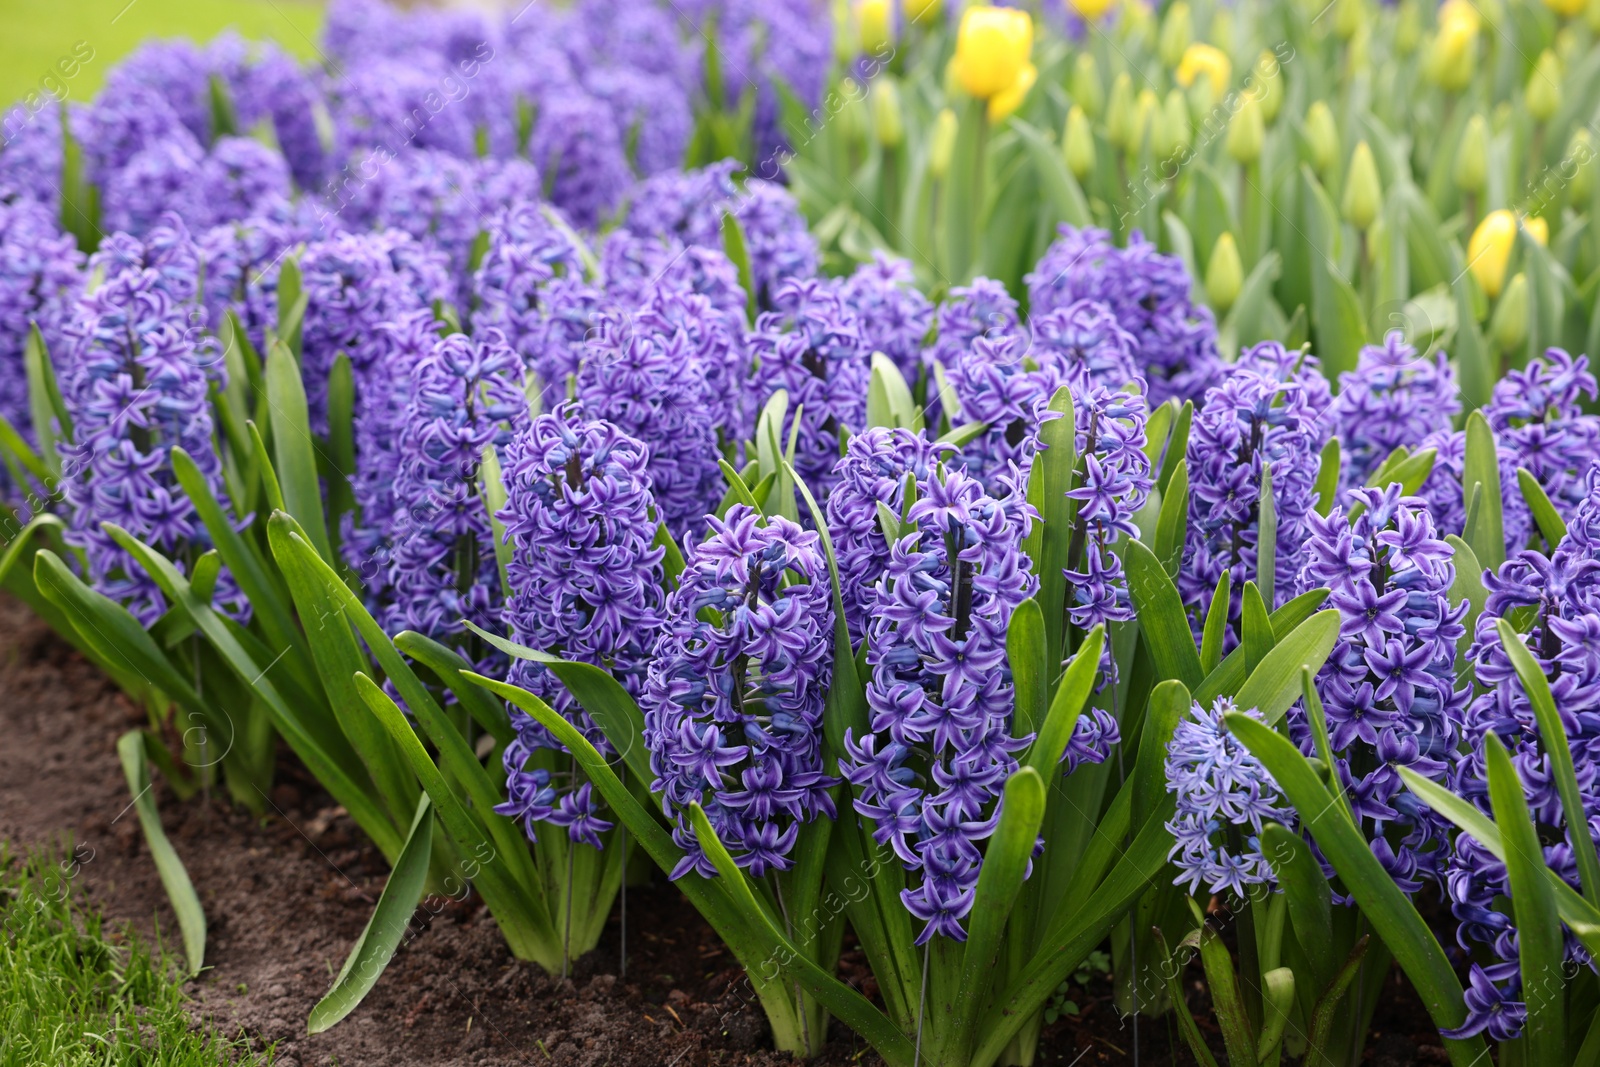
[[1308, 895], [1550, 522], [382, 935], [1468, 586], [1161, 616], [180, 890], [45, 406], [1539, 939], [1231, 674], [1227, 999], [1049, 541], [1172, 523], [1275, 684], [293, 448], [447, 665], [1216, 625], [1480, 481], [1044, 755], [1385, 906], [1029, 660]]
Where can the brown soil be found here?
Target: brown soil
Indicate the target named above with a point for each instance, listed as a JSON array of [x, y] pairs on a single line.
[[287, 894]]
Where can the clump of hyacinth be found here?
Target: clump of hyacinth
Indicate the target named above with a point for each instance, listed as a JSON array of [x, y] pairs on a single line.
[[1224, 796], [465, 397], [717, 342], [1001, 380], [940, 741], [585, 576], [580, 153], [1389, 689], [1269, 410], [240, 261], [1394, 397], [135, 373], [690, 205], [1148, 293], [895, 317], [636, 267], [983, 309], [41, 272], [648, 375], [733, 702], [811, 346], [1537, 415], [1562, 592]]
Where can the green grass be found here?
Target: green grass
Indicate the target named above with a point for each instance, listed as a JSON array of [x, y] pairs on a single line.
[[73, 994], [35, 34]]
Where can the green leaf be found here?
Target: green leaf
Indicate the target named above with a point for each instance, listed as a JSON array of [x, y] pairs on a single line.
[[1172, 525], [180, 890], [384, 930], [1255, 628], [1277, 994], [1173, 971], [1553, 735], [1169, 703], [448, 666], [1059, 187], [1327, 487], [1029, 660], [1322, 1016], [737, 251], [293, 448], [1049, 542], [292, 304], [1216, 625], [1388, 910], [889, 401], [1550, 522], [269, 476], [44, 398], [1308, 895], [1177, 446], [1077, 681], [1482, 469], [493, 483], [338, 463], [1230, 674], [1267, 539], [1275, 684], [1468, 586], [1227, 999], [963, 435], [1539, 938], [1161, 616]]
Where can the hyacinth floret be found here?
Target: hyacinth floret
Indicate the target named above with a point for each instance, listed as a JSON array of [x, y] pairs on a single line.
[[1536, 413], [895, 316], [1224, 797], [586, 580], [40, 277], [465, 397], [939, 745], [1270, 409], [1394, 397], [734, 698], [1148, 293]]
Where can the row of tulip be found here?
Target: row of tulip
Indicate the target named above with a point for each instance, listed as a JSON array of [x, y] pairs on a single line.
[[863, 600]]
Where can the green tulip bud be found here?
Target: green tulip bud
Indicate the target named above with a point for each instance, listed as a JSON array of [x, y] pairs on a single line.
[[1472, 157], [1544, 87], [942, 145], [1177, 30], [1322, 136], [1224, 274], [1246, 132], [1267, 82], [1087, 92], [888, 118], [1509, 326], [1146, 109], [852, 112], [1222, 29], [1077, 143], [1175, 115], [1363, 191], [1408, 29], [1119, 112], [1580, 163]]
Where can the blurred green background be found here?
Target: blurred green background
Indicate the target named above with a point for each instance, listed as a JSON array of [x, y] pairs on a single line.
[[35, 33]]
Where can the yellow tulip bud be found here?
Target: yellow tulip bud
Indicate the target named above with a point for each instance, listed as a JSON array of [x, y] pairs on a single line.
[[875, 24], [1087, 92], [1119, 113], [1580, 164], [1077, 143], [1224, 274], [920, 11], [1544, 87], [1092, 10], [1177, 30], [1175, 114], [1591, 15], [1509, 327], [1003, 103], [1204, 59], [1472, 156], [1464, 12], [888, 118], [1247, 132], [1565, 8], [993, 46], [1455, 47], [942, 144], [1363, 191], [1489, 250], [1538, 229], [1322, 136], [1266, 81], [1408, 29], [1347, 18]]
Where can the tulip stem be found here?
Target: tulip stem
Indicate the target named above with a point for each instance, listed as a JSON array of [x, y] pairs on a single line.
[[977, 179]]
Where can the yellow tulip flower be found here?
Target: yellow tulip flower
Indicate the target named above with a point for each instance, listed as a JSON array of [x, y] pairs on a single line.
[[993, 47], [1092, 10], [1538, 229], [1201, 58], [1565, 8], [1003, 103], [922, 10], [875, 21], [1489, 251]]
